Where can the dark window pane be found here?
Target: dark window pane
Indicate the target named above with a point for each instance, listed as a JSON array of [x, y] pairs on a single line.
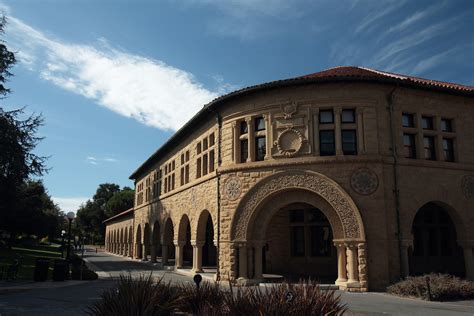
[[409, 149], [243, 128], [259, 124], [204, 144], [326, 143], [204, 165], [407, 120], [427, 122], [326, 117], [198, 148], [428, 144], [448, 149], [187, 156], [320, 241], [297, 233], [349, 142], [260, 148], [348, 116], [198, 168], [211, 161], [211, 140], [446, 125], [244, 150], [296, 216]]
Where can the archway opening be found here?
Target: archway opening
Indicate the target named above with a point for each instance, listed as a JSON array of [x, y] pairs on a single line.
[[184, 236], [209, 251], [146, 241], [130, 241], [168, 248], [138, 243], [299, 244], [435, 247], [156, 239]]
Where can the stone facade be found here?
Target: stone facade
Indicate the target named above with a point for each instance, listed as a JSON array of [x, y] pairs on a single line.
[[220, 191]]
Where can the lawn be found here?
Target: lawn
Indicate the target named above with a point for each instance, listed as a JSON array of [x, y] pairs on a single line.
[[28, 257]]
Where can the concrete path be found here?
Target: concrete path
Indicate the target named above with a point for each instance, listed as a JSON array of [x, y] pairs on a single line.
[[73, 297]]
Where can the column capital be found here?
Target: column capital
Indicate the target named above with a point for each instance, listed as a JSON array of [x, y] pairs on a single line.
[[179, 243], [337, 110], [197, 243], [248, 119], [240, 244]]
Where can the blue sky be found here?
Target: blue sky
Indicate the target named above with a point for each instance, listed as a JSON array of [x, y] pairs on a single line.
[[114, 79]]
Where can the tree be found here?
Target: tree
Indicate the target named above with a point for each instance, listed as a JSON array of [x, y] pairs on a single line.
[[17, 141], [119, 202]]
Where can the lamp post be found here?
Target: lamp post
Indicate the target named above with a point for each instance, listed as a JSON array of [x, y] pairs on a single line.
[[70, 217], [63, 232]]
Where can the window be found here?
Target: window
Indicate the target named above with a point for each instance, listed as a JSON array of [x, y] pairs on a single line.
[[326, 117], [157, 184], [205, 160], [211, 140], [311, 233], [429, 147], [427, 122], [348, 116], [448, 149], [349, 142], [184, 168], [409, 148], [198, 148], [204, 164], [446, 125], [243, 128], [198, 168], [408, 120], [326, 140], [169, 176], [260, 148], [244, 150], [259, 124], [211, 161]]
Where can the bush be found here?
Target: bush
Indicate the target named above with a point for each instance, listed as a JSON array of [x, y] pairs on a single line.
[[194, 300], [140, 296], [443, 287]]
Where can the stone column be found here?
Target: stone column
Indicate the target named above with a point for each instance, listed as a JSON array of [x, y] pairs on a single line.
[[405, 268], [468, 259], [352, 265], [138, 247], [258, 260], [144, 252], [362, 257], [197, 256], [360, 131], [164, 254], [179, 245], [337, 130], [341, 263], [125, 249], [251, 139], [242, 260], [153, 253], [268, 144]]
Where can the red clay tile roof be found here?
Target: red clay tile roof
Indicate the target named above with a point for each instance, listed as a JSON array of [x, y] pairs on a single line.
[[130, 210], [336, 74]]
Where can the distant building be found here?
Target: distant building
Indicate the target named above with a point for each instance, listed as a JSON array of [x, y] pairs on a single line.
[[350, 175]]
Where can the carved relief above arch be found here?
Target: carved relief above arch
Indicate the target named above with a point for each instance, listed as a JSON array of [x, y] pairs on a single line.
[[317, 183]]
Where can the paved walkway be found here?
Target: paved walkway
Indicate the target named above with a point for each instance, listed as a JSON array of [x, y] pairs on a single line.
[[73, 297]]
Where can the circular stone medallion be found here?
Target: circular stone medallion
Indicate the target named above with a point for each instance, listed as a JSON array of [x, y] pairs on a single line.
[[468, 186], [364, 181], [289, 142], [233, 188]]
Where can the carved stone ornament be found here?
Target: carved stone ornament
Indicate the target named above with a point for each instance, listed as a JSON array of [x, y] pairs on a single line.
[[468, 186], [233, 188], [326, 188], [288, 109], [289, 142], [364, 181]]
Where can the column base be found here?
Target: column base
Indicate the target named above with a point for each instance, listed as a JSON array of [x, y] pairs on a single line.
[[248, 282], [197, 270], [341, 282]]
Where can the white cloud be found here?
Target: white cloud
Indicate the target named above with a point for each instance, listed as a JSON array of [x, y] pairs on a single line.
[[416, 17], [69, 204], [138, 87], [96, 161], [376, 15]]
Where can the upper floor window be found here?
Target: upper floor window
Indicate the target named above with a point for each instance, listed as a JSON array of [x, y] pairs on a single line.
[[260, 148], [429, 147], [259, 124], [250, 142], [327, 143], [243, 128], [348, 116], [446, 125], [409, 147], [184, 179], [326, 117], [448, 149], [408, 120], [157, 184], [349, 142], [426, 122], [205, 161]]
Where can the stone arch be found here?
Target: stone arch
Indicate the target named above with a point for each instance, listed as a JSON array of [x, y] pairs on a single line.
[[206, 237], [155, 241], [130, 241], [351, 224], [146, 241], [121, 242], [184, 222], [200, 229], [167, 246], [138, 242]]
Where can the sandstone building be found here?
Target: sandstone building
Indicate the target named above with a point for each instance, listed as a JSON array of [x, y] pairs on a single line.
[[350, 175]]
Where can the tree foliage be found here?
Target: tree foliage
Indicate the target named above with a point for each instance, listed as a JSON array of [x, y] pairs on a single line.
[[107, 201]]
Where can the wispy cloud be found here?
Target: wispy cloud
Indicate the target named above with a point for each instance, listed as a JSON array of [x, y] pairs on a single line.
[[377, 14], [96, 161], [146, 89], [69, 204]]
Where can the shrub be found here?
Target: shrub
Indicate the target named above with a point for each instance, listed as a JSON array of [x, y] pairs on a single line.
[[140, 296], [195, 300], [443, 287]]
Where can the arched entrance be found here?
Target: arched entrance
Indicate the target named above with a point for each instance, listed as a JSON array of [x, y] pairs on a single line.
[[146, 242], [155, 242], [167, 246], [322, 201], [205, 252], [435, 247], [184, 249], [138, 243], [130, 241]]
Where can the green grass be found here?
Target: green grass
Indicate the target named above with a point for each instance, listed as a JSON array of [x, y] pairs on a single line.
[[28, 258]]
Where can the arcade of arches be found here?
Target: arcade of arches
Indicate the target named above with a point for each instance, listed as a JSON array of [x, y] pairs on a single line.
[[301, 225]]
